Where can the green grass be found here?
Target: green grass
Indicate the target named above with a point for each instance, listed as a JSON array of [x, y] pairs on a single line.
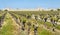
[[8, 28], [42, 31], [45, 32], [57, 27]]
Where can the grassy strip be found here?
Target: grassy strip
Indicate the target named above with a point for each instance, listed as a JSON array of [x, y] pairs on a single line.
[[9, 28]]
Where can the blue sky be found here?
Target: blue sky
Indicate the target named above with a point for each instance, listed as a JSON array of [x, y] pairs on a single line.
[[29, 3]]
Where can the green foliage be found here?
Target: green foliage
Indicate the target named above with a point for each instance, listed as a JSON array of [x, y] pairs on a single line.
[[45, 32], [8, 28], [58, 27], [49, 24], [58, 9]]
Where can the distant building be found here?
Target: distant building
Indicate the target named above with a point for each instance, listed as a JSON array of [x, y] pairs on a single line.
[[27, 9]]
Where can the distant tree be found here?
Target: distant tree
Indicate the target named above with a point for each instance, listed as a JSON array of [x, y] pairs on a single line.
[[58, 9], [5, 10], [51, 10], [0, 10]]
